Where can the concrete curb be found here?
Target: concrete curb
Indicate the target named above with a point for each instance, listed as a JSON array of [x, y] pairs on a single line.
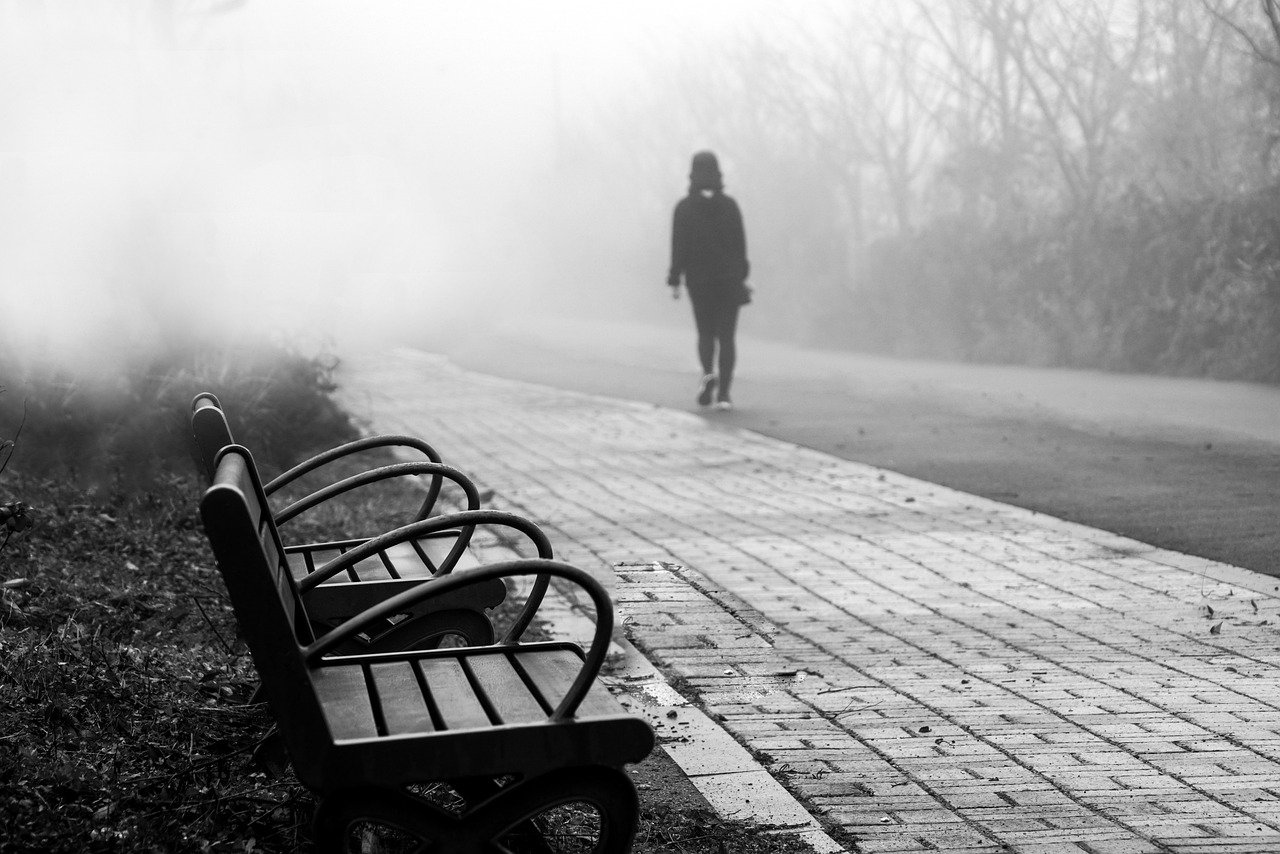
[[728, 776], [735, 785]]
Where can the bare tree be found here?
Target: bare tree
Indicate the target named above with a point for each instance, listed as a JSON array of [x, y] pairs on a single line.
[[1232, 13], [984, 119]]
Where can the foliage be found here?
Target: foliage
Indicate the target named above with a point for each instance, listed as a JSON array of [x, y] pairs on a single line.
[[1191, 288], [134, 425], [125, 716], [15, 516]]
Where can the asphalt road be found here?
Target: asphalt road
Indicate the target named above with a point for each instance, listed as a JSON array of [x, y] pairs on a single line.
[[1187, 465]]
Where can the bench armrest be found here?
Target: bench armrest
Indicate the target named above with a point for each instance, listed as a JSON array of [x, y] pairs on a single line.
[[542, 569], [355, 447], [467, 520], [436, 470]]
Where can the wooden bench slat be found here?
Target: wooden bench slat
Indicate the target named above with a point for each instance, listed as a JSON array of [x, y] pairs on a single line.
[[505, 690], [416, 559], [459, 709], [282, 582], [344, 695], [413, 560], [315, 558], [372, 569], [553, 672], [300, 563], [404, 708]]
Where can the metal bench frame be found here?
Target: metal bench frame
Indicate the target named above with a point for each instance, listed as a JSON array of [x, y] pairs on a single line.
[[361, 729], [382, 573]]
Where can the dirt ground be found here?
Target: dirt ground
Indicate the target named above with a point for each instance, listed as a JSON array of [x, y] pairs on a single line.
[[1190, 465]]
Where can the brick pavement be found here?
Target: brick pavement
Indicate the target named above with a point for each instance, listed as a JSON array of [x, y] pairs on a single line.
[[926, 670]]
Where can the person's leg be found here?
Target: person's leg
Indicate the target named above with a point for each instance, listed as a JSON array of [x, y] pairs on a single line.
[[726, 330], [704, 318]]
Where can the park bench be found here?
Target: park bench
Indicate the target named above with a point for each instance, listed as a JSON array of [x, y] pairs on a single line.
[[516, 730], [212, 433], [380, 573]]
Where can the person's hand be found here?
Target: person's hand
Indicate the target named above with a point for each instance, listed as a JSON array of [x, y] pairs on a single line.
[[675, 292]]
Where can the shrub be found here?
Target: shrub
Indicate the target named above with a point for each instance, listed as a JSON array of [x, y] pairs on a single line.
[[15, 516], [134, 428], [1191, 288]]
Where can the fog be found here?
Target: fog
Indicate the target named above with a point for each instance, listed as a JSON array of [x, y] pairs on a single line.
[[303, 170], [1040, 183]]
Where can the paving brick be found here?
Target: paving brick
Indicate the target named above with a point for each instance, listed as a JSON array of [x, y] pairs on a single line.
[[1067, 677]]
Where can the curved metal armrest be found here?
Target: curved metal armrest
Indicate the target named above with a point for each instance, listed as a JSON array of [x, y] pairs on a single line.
[[436, 470], [542, 568], [467, 520], [355, 447]]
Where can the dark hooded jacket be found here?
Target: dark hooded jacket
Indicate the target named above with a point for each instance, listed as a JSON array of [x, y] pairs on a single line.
[[708, 242]]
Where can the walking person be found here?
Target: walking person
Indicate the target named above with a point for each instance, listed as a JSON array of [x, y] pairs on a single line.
[[709, 249]]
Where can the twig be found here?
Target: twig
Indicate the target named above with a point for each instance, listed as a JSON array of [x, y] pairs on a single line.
[[11, 444], [225, 646], [847, 711]]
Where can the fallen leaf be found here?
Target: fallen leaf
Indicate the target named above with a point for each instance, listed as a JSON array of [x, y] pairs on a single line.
[[1216, 628]]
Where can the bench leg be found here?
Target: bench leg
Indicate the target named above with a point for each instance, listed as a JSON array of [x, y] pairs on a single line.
[[343, 817], [583, 810], [600, 804], [429, 630], [424, 631]]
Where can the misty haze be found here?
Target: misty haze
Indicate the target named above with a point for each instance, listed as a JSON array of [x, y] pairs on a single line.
[[980, 555], [1086, 185]]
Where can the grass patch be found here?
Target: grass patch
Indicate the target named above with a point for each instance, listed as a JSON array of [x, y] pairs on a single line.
[[126, 725]]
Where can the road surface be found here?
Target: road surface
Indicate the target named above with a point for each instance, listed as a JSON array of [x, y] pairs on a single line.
[[1188, 465]]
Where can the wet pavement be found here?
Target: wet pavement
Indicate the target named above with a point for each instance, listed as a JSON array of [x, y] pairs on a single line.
[[924, 670]]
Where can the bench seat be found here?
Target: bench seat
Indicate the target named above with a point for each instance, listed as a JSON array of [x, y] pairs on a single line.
[[482, 705], [375, 578]]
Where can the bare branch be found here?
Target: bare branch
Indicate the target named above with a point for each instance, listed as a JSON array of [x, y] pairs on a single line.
[[11, 444], [1273, 15]]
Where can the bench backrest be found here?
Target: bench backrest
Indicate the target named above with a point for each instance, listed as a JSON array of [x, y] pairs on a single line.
[[268, 607], [212, 432]]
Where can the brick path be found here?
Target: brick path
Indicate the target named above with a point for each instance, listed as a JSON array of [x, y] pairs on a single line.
[[926, 670]]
